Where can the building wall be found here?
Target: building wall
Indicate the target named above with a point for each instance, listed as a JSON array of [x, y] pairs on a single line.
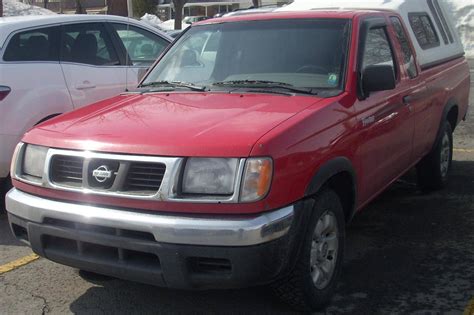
[[70, 5]]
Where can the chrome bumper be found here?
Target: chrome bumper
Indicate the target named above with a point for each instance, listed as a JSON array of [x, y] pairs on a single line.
[[216, 230]]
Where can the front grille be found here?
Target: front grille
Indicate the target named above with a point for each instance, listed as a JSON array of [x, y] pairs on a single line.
[[144, 178], [67, 170], [107, 175]]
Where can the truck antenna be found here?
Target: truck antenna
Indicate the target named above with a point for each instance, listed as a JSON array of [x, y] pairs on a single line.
[[126, 55]]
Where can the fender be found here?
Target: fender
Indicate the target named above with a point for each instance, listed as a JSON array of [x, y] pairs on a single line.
[[327, 171]]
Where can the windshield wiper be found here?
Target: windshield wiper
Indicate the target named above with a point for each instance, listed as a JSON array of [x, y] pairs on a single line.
[[266, 84], [175, 84]]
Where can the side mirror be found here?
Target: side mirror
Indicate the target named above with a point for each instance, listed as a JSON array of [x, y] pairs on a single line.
[[378, 78]]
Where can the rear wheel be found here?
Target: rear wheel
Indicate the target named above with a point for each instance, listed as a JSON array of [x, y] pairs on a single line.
[[312, 282], [433, 170]]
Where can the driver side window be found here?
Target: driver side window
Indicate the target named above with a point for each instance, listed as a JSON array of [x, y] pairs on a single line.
[[377, 49]]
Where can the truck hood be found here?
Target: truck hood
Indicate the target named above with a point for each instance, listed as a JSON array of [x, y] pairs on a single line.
[[171, 124]]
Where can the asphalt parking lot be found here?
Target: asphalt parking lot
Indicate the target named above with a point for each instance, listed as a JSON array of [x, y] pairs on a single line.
[[406, 253]]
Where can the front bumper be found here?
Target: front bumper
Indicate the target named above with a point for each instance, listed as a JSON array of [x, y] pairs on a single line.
[[196, 252]]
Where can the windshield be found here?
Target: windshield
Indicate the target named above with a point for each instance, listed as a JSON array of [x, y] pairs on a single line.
[[297, 53]]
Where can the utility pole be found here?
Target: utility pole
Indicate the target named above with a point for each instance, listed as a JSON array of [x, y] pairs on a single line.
[[130, 8]]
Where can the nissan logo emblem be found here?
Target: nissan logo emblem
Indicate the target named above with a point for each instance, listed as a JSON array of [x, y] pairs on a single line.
[[102, 173]]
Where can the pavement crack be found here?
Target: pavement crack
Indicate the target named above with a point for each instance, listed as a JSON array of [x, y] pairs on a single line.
[[44, 308]]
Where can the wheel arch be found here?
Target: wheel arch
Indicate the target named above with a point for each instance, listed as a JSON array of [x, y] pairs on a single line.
[[339, 175], [39, 122], [47, 118], [450, 114]]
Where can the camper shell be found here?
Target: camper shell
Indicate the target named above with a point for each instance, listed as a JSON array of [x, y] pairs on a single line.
[[431, 49]]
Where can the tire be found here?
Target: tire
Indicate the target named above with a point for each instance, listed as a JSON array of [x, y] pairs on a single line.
[[298, 289], [433, 170]]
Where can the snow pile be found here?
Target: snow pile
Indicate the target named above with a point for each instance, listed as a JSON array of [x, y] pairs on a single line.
[[463, 12], [168, 25], [15, 8], [151, 19]]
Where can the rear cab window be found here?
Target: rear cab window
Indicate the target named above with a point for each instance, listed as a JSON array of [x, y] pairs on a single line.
[[408, 57], [40, 44]]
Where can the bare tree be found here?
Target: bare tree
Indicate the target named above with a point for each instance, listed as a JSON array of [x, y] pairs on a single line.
[[140, 7], [1, 7], [117, 7], [178, 16], [45, 4], [256, 3], [79, 8]]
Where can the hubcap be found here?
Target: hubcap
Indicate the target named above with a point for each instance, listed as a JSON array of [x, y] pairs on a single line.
[[445, 155], [324, 247]]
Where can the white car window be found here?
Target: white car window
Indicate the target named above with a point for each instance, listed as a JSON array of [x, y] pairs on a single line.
[[143, 47], [88, 43], [33, 45]]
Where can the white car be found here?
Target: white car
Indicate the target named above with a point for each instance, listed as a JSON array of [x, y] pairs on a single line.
[[53, 64]]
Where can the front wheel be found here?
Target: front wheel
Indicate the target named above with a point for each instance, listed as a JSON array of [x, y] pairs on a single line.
[[433, 170], [313, 280]]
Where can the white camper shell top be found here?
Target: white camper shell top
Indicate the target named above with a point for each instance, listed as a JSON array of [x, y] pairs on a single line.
[[442, 22]]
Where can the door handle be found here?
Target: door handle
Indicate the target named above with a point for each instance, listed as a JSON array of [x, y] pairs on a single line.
[[85, 86], [408, 99]]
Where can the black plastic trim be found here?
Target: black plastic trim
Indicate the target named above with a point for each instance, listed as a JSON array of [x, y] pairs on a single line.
[[364, 28], [327, 171], [436, 63], [244, 266]]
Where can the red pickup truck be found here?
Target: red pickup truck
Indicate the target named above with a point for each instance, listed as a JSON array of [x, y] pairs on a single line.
[[245, 151]]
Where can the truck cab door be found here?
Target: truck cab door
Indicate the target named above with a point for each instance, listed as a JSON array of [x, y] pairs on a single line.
[[414, 92], [386, 124]]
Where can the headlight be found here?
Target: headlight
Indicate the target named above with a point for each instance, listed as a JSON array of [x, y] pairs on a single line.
[[209, 176], [33, 160], [257, 179]]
